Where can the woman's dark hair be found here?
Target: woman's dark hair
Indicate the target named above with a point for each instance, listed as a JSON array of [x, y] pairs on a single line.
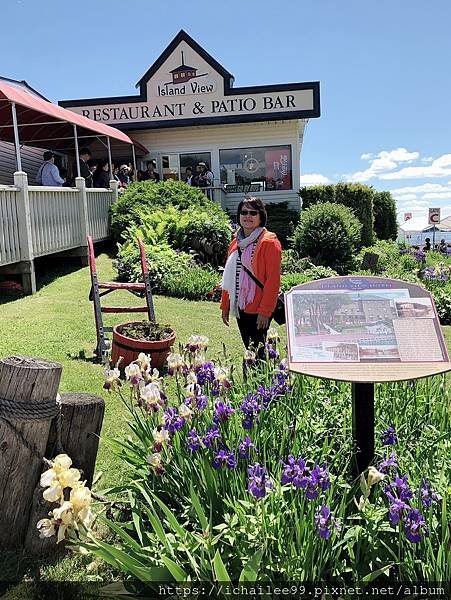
[[101, 163], [257, 204]]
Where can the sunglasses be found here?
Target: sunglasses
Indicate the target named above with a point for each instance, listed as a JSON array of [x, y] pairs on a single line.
[[252, 213]]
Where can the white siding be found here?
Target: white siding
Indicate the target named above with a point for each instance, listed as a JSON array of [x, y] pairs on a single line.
[[31, 161], [212, 138]]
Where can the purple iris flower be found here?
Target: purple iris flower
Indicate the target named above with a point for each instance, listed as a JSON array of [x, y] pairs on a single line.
[[318, 481], [415, 526], [259, 483], [193, 441], [224, 458], [172, 421], [389, 437], [244, 448], [325, 521], [223, 412], [265, 396], [211, 436], [396, 510], [272, 351], [402, 487], [428, 496], [198, 402], [388, 463], [205, 372], [251, 408], [295, 471]]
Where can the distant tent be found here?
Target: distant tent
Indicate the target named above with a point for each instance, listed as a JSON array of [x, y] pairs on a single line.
[[414, 231]]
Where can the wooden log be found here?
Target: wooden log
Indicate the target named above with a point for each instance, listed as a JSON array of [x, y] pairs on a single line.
[[81, 423], [31, 381]]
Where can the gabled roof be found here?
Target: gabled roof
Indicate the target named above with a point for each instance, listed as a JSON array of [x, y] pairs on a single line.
[[182, 36], [183, 68], [23, 85]]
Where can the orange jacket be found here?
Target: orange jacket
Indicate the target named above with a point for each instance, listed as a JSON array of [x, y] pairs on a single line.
[[266, 268]]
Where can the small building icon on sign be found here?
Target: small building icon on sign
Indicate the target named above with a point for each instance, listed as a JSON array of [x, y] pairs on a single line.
[[183, 72]]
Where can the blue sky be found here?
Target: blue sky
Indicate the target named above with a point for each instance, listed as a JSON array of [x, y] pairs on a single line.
[[384, 69]]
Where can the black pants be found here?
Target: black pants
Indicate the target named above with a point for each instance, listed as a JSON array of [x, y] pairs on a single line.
[[251, 336]]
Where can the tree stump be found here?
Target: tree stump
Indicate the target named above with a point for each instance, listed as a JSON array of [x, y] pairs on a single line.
[[81, 423], [30, 381]]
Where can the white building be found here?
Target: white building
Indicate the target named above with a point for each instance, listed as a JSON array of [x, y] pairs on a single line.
[[188, 111]]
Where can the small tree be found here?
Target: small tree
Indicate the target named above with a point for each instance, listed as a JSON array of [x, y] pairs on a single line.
[[384, 209], [329, 234]]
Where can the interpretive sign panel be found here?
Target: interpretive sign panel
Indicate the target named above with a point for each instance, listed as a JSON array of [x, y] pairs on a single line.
[[364, 329]]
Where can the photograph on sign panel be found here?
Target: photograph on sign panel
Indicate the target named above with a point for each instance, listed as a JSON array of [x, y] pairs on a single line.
[[362, 326], [342, 326], [418, 308]]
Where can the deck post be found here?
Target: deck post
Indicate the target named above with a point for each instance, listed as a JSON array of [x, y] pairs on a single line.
[[80, 183], [16, 137], [25, 236]]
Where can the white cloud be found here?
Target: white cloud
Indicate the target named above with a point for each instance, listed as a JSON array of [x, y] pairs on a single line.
[[314, 179], [440, 167], [422, 189], [399, 155], [386, 160], [437, 196]]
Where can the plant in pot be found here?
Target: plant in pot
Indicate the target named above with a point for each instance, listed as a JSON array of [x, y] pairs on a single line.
[[148, 337], [130, 339]]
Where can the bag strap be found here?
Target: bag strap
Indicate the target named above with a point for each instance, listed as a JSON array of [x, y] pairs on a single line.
[[251, 275]]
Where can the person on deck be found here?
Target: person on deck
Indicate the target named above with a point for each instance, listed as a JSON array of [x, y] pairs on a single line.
[[150, 174], [258, 251], [48, 173]]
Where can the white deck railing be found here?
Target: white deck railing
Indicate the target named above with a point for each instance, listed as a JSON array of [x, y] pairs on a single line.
[[38, 220], [55, 219], [9, 230], [99, 202]]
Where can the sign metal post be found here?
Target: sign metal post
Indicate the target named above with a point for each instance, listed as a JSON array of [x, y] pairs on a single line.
[[363, 425]]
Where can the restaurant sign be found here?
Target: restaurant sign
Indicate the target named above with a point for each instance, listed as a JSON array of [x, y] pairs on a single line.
[[186, 86]]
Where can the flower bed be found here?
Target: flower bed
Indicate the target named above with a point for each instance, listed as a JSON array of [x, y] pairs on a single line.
[[251, 479]]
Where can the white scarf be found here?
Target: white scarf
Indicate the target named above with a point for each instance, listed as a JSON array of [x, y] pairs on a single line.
[[229, 276]]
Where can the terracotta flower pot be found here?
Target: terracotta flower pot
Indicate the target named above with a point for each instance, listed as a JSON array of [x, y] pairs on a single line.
[[129, 348]]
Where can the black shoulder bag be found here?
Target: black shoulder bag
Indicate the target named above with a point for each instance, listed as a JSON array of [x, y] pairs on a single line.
[[279, 312]]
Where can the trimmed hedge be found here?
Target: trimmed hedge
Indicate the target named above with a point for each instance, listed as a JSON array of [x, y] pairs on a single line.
[[384, 209], [329, 234], [356, 196], [282, 220]]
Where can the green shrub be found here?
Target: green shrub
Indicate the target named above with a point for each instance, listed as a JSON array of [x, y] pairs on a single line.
[[195, 229], [161, 258], [356, 196], [194, 283], [442, 300], [291, 263], [384, 209], [207, 233], [388, 253], [315, 194], [282, 220], [145, 197], [329, 234], [171, 273]]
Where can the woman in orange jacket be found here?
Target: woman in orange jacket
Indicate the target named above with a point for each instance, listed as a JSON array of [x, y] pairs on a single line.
[[255, 250]]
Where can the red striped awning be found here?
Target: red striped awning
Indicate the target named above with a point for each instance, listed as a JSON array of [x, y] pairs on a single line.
[[47, 125]]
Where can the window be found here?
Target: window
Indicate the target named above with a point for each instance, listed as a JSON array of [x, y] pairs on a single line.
[[174, 165], [191, 160], [256, 169]]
